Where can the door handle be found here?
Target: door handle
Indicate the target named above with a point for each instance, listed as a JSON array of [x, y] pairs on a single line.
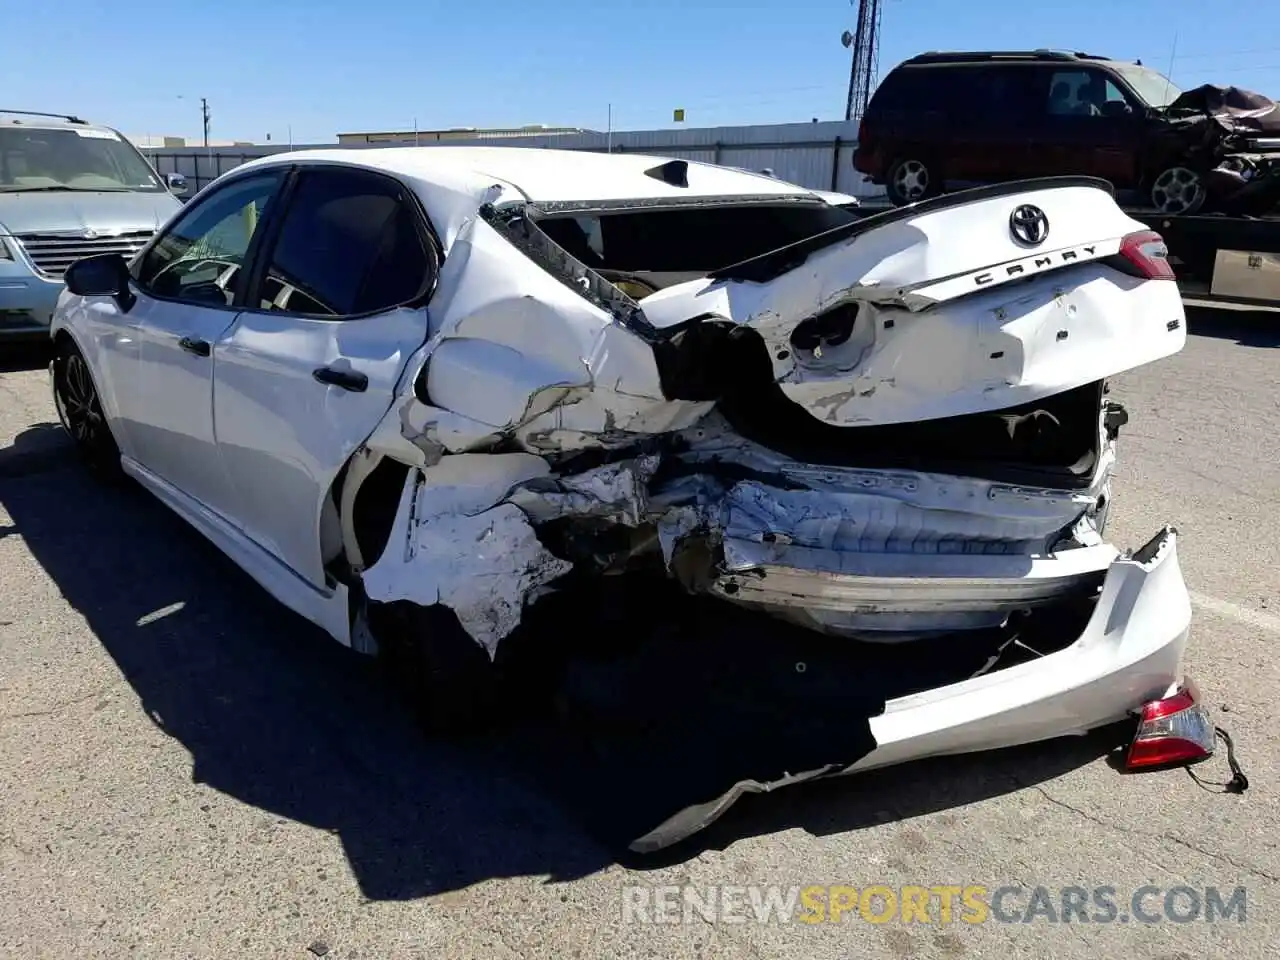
[[346, 379], [199, 347]]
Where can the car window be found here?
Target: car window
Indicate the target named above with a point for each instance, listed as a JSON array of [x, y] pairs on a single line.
[[87, 159], [1084, 93], [903, 89], [199, 258], [1151, 85], [349, 244], [956, 91], [1003, 93]]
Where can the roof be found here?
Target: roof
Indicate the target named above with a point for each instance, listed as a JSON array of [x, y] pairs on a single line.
[[991, 56], [453, 182], [548, 175], [44, 121]]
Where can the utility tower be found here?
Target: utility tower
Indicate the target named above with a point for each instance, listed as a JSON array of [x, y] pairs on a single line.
[[865, 44]]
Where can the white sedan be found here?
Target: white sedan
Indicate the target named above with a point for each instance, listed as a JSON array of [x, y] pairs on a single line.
[[419, 393]]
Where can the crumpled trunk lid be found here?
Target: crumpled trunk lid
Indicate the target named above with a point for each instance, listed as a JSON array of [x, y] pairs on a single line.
[[975, 302]]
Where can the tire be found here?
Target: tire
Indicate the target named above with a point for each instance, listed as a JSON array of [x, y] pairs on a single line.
[[1177, 190], [79, 405], [910, 180], [446, 677]]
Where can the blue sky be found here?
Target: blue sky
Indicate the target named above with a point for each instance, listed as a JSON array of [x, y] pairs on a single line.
[[322, 66]]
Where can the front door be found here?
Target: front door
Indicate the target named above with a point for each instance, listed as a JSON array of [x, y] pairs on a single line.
[[311, 366], [186, 286]]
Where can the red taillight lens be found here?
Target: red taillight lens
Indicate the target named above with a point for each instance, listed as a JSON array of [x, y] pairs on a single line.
[[1175, 730], [1148, 253]]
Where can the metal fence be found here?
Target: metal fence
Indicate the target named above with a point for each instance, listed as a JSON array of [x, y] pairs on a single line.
[[815, 155]]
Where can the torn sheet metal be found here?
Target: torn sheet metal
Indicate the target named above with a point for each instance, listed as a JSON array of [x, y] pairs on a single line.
[[454, 543], [615, 491]]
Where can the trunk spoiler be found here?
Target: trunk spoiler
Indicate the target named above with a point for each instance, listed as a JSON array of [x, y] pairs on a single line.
[[771, 265]]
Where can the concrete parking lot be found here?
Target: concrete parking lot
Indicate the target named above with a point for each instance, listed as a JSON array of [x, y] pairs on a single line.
[[187, 770]]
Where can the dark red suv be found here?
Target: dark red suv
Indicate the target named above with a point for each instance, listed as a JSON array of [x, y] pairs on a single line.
[[950, 119]]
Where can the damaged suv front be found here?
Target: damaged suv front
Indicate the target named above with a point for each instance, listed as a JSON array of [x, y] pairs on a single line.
[[893, 433]]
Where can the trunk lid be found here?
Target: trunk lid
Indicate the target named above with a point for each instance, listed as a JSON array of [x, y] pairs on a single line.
[[974, 302]]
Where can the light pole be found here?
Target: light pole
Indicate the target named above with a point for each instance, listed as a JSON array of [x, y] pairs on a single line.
[[204, 115]]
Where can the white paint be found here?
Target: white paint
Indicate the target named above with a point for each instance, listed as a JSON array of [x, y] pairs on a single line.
[[930, 340], [453, 543], [1234, 611], [92, 133], [283, 437]]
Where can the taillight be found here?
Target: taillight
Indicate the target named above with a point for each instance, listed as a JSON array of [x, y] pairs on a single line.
[[1172, 731], [1147, 252]]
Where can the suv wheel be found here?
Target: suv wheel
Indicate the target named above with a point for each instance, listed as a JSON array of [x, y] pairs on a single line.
[[1178, 190], [910, 180]]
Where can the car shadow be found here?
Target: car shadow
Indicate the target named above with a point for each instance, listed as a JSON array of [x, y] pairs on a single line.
[[36, 449], [277, 716], [1249, 328], [24, 355]]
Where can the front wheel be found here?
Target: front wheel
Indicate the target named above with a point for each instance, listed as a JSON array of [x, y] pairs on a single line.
[[80, 409], [910, 180], [1178, 190]]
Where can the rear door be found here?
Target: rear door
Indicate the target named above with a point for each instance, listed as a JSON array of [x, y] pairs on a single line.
[[983, 113], [312, 365]]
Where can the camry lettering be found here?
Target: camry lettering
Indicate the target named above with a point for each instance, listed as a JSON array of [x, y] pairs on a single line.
[[1038, 263]]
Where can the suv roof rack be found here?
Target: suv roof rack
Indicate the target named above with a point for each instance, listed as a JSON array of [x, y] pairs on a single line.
[[70, 118], [981, 56]]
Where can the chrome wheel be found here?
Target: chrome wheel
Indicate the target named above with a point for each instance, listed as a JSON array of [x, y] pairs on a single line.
[[1178, 190], [911, 180]]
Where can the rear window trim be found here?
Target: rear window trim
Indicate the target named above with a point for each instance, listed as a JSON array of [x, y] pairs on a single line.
[[771, 265], [565, 208]]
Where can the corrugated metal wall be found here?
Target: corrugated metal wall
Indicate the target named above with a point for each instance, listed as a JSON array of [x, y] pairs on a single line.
[[814, 155]]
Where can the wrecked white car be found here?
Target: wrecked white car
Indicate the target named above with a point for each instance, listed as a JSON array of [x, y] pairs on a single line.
[[421, 394]]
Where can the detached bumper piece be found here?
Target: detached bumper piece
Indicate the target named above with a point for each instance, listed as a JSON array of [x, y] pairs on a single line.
[[891, 587]]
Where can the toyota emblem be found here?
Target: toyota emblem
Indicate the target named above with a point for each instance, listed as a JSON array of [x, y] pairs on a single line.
[[1029, 225]]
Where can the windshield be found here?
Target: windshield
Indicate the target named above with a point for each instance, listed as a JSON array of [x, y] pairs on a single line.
[[88, 159], [1151, 85]]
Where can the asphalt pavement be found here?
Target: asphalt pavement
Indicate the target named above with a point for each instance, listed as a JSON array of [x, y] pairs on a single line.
[[188, 770]]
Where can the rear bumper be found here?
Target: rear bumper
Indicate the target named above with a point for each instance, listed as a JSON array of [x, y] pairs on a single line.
[[1129, 653], [866, 161], [889, 587]]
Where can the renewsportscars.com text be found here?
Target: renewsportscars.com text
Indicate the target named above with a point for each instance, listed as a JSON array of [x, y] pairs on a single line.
[[934, 904]]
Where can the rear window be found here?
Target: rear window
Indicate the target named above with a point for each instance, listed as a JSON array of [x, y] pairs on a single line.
[[999, 92], [693, 240], [903, 89]]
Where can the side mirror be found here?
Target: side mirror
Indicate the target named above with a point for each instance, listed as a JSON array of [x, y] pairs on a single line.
[[176, 183], [104, 275]]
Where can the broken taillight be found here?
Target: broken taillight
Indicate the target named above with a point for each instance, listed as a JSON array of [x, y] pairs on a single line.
[[1173, 731], [1147, 252]]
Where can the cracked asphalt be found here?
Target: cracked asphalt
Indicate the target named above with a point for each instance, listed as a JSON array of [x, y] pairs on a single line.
[[187, 770]]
